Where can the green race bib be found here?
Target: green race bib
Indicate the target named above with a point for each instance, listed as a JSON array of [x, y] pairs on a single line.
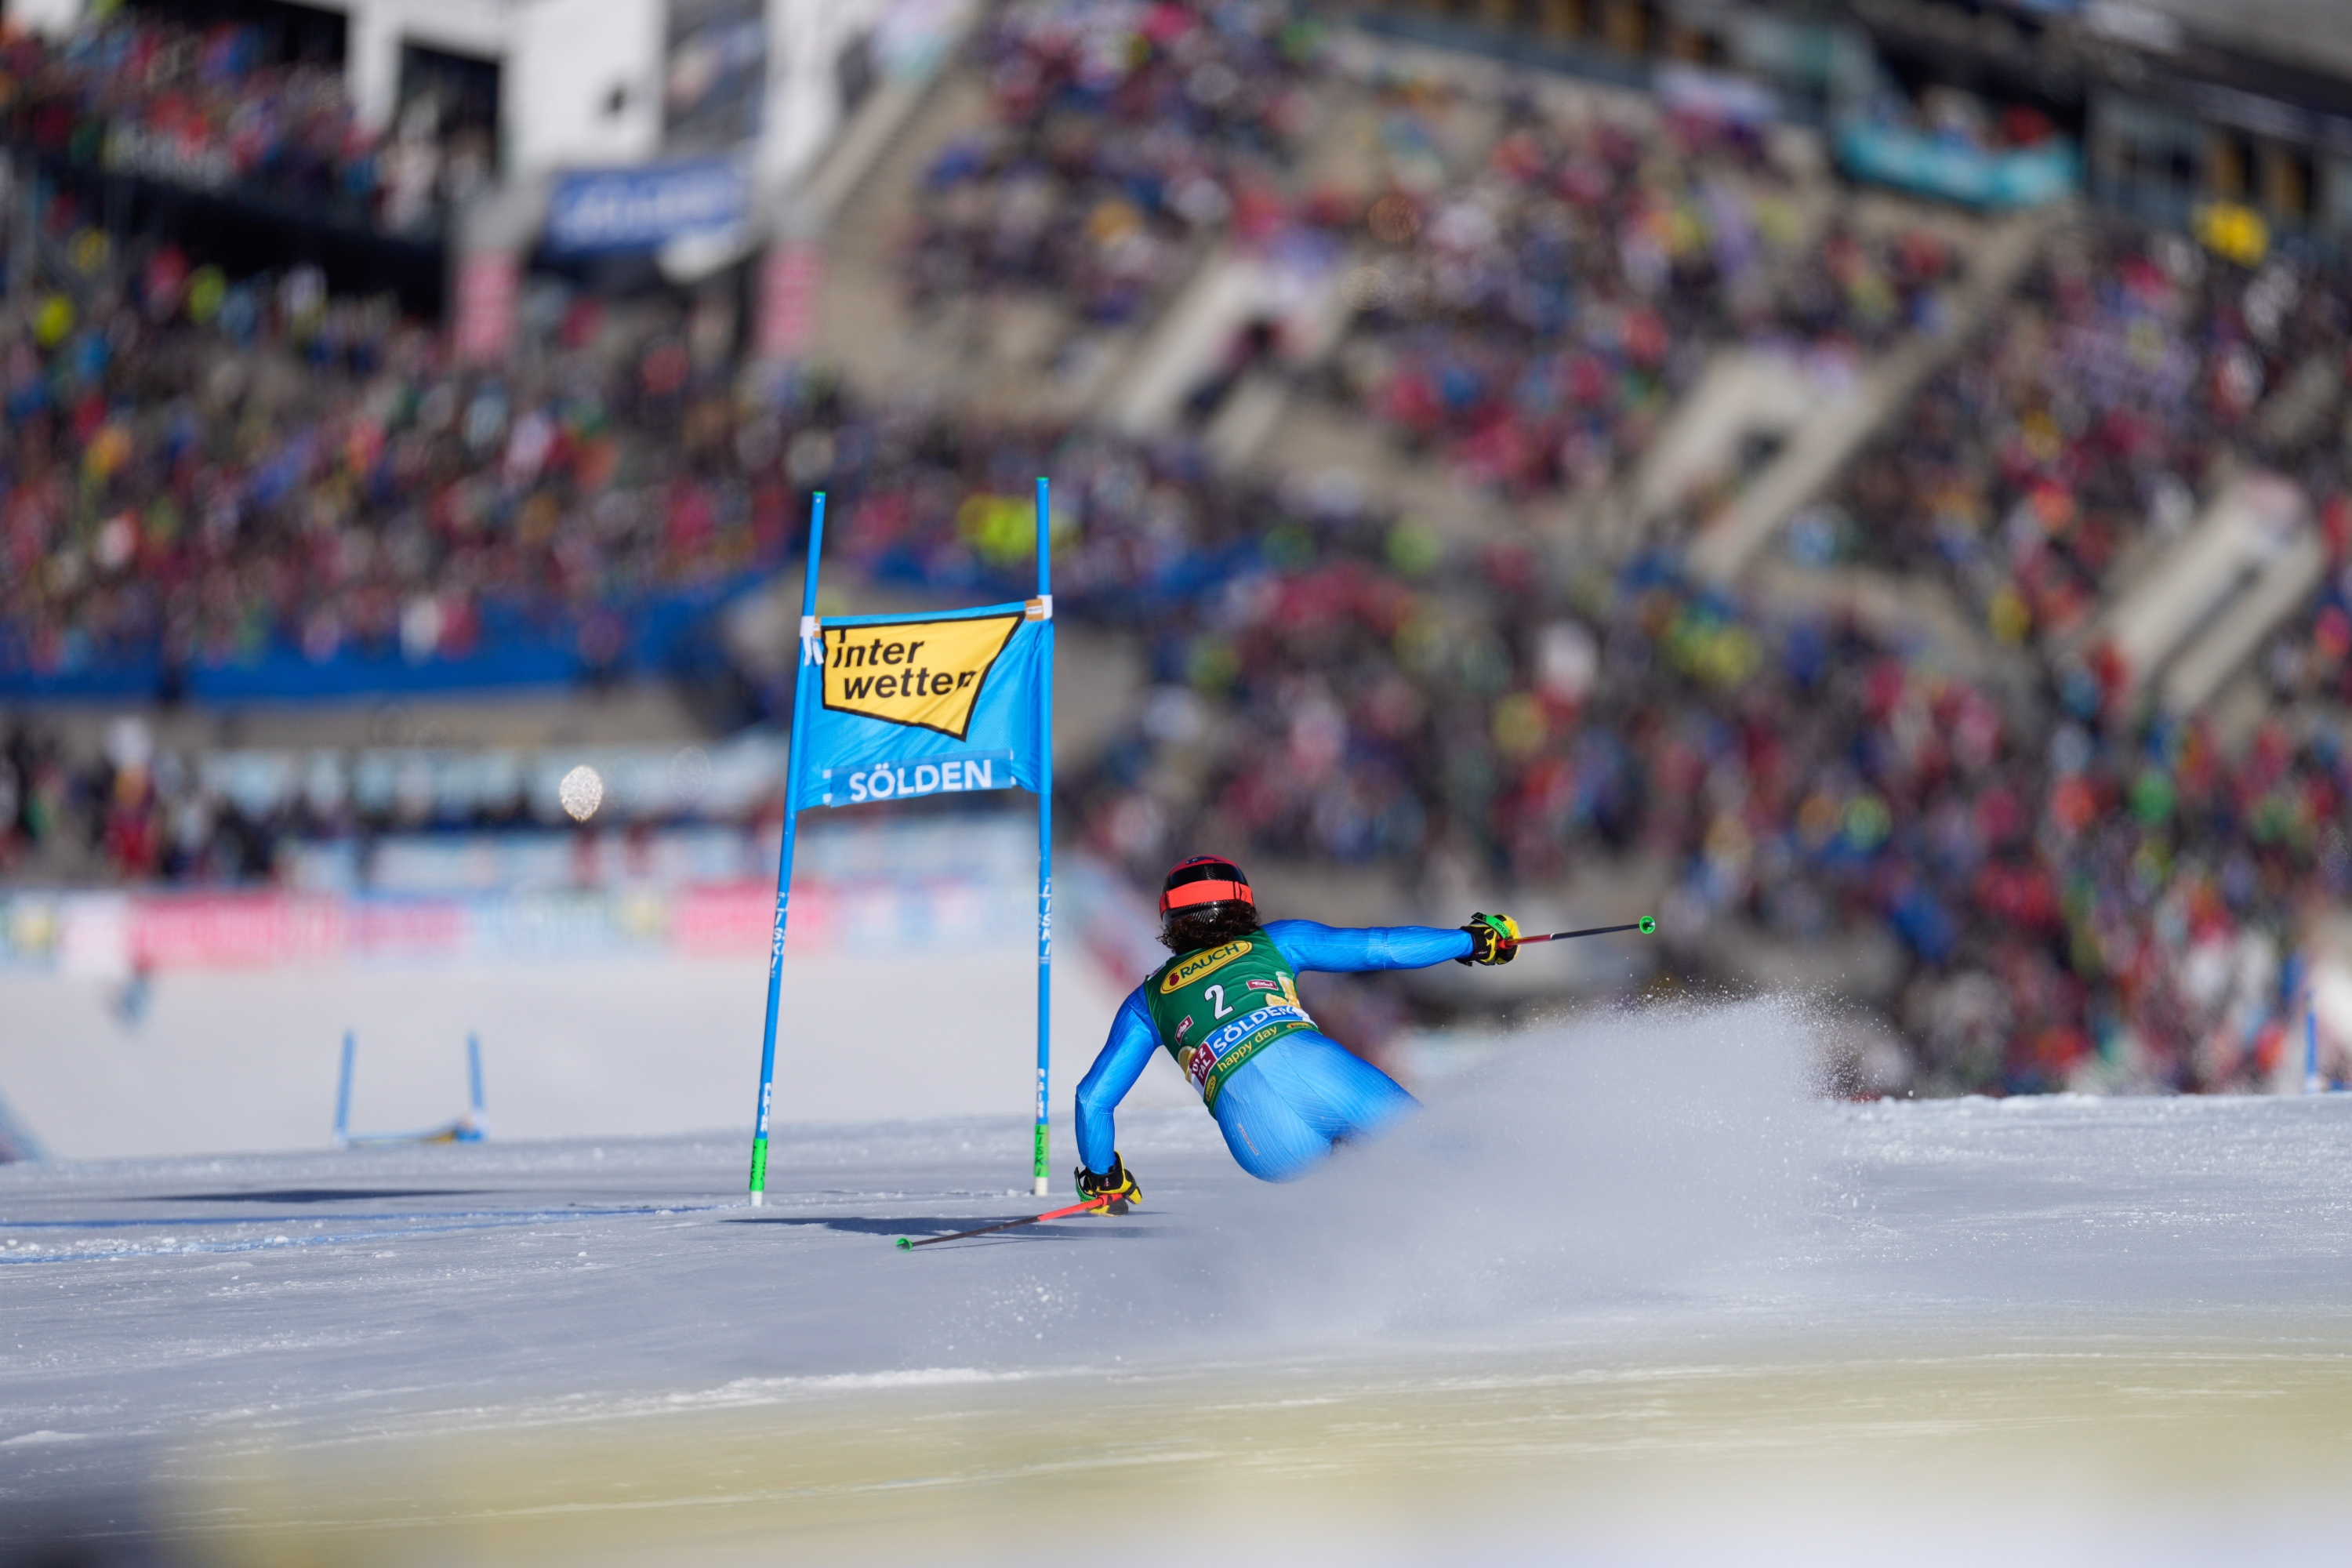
[[1217, 1007]]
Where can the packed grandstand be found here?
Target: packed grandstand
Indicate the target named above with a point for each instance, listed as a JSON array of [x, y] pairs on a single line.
[[215, 487]]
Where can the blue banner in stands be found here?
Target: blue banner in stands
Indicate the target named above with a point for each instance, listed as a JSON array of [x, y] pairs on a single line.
[[645, 208]]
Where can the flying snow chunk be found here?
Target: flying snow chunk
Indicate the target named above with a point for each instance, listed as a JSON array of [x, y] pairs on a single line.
[[582, 792]]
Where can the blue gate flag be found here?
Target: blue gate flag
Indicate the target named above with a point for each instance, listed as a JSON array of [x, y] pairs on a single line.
[[924, 704], [885, 706]]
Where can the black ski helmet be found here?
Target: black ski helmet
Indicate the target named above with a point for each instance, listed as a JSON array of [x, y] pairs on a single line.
[[1204, 879]]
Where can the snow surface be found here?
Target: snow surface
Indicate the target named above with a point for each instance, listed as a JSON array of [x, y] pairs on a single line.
[[1625, 1293], [248, 1061]]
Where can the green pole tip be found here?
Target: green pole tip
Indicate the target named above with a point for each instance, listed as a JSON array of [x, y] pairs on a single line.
[[905, 1246], [1648, 925]]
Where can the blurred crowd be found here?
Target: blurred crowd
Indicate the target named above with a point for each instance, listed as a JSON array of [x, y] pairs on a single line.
[[138, 815], [2116, 389], [1533, 322], [1123, 132], [2074, 904], [195, 471], [1526, 308], [2076, 901], [201, 472], [207, 107]]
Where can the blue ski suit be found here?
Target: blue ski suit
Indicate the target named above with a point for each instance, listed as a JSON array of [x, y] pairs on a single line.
[[1283, 1109]]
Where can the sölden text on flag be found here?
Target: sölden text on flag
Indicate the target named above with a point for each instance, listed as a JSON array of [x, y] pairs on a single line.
[[920, 705]]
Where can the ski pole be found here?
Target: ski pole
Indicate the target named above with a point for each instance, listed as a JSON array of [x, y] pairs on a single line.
[[1645, 925], [907, 1244]]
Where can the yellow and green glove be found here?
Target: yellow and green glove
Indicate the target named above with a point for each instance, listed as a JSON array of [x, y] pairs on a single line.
[[1494, 939]]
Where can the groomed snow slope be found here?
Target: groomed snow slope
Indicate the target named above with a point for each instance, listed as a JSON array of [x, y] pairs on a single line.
[[1624, 1294]]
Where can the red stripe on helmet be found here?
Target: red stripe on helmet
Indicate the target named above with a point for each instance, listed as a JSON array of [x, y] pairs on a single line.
[[1206, 892], [1205, 879]]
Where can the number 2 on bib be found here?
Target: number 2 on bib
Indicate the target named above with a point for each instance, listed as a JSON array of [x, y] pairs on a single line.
[[1216, 993]]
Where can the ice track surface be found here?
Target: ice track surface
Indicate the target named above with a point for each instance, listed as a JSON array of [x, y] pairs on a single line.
[[1627, 1294]]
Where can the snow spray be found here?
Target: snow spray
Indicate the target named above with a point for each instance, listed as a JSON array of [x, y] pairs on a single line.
[[1618, 1158], [1613, 1163]]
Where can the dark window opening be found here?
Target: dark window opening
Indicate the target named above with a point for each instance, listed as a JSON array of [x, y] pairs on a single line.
[[2287, 184], [2228, 162], [449, 96], [1627, 26]]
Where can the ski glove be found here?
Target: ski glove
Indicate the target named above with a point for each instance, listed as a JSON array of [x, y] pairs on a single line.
[[1494, 939], [1118, 1183]]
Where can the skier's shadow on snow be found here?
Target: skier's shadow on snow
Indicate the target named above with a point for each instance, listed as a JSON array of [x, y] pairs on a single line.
[[920, 1227], [307, 1195]]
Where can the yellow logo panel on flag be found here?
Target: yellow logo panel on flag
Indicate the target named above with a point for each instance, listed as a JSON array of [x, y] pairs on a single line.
[[926, 674]]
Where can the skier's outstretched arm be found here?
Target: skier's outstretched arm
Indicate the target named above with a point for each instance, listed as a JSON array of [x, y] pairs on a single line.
[[1120, 1062], [1351, 950]]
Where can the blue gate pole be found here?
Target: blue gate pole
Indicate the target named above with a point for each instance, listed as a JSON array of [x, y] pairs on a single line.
[[1044, 832], [474, 1129], [343, 1092], [809, 654]]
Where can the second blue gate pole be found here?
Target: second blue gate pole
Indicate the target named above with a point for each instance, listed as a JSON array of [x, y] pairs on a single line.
[[1045, 837]]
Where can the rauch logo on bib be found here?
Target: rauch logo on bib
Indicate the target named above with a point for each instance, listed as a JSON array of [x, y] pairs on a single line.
[[1182, 975]]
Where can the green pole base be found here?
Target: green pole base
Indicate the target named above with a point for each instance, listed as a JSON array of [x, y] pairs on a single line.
[[905, 1245]]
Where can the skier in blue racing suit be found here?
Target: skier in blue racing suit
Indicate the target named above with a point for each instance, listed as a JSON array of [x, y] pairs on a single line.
[[1282, 1091]]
